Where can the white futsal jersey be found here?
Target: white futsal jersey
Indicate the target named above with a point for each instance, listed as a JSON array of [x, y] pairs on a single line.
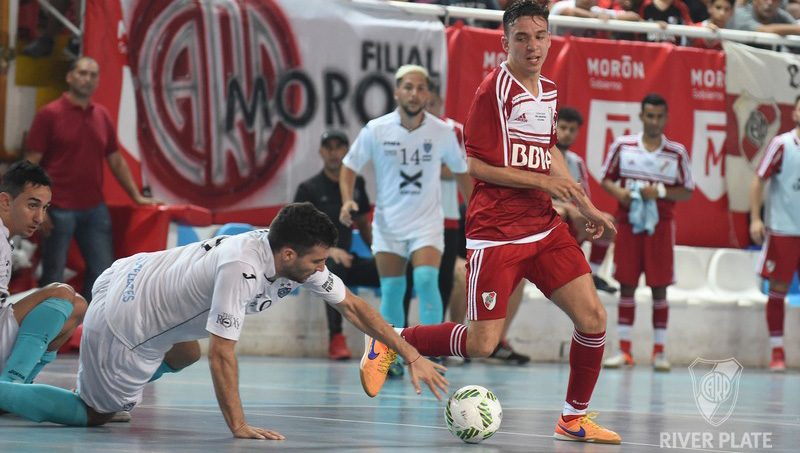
[[577, 168], [5, 264], [181, 294], [407, 172], [781, 165]]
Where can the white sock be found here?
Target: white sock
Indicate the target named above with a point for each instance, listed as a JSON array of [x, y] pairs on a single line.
[[595, 267], [399, 330], [569, 410], [624, 332], [776, 342], [660, 336]]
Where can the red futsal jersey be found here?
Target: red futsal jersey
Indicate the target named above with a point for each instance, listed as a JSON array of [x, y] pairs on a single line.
[[633, 166], [507, 126]]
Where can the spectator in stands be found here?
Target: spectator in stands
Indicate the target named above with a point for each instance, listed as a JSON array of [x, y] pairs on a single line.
[[477, 4], [765, 16], [698, 9], [587, 9], [634, 6], [407, 148], [793, 8], [780, 165], [43, 45], [70, 137], [665, 12], [647, 174], [323, 192], [567, 127], [720, 11]]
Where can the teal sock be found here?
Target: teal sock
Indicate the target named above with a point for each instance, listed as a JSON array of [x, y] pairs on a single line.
[[163, 368], [37, 330], [47, 358], [426, 283], [43, 403], [393, 289]]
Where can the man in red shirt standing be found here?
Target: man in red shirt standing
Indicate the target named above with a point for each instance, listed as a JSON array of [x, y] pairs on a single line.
[[70, 137], [513, 232]]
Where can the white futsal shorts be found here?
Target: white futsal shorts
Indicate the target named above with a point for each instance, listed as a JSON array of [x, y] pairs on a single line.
[[385, 242], [111, 376], [9, 329]]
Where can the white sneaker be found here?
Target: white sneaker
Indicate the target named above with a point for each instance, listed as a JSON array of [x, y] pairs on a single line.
[[660, 362], [121, 417], [618, 360]]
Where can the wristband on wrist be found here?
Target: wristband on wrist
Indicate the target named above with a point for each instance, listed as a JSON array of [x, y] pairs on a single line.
[[662, 190]]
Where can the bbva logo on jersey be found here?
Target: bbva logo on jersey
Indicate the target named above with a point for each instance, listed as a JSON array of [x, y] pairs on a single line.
[[530, 156]]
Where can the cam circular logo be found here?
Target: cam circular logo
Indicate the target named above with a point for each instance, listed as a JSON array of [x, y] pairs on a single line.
[[715, 387], [214, 101]]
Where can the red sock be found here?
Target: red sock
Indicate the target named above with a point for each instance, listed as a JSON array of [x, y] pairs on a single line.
[[598, 251], [585, 357], [626, 310], [447, 339], [625, 346], [775, 312]]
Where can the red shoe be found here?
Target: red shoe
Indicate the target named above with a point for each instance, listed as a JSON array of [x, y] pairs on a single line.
[[778, 363], [337, 350]]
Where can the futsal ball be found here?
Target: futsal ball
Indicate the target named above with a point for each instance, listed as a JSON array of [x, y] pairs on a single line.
[[473, 414]]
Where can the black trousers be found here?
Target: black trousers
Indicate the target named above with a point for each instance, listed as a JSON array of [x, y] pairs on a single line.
[[363, 272]]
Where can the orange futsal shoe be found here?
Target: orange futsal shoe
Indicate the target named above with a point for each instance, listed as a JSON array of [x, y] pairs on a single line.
[[583, 429], [374, 365]]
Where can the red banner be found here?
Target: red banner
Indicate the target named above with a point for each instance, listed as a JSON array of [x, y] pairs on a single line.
[[606, 80]]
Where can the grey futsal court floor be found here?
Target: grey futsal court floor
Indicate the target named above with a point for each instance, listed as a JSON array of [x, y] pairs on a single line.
[[319, 406]]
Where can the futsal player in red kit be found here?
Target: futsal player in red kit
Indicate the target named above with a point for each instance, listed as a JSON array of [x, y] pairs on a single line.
[[513, 232]]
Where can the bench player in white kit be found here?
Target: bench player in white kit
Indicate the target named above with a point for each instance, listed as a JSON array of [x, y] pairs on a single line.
[[149, 310]]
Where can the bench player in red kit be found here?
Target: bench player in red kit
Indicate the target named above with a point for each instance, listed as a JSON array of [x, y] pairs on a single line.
[[513, 232]]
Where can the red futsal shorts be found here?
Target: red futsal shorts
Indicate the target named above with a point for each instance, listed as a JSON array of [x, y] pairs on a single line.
[[494, 272], [651, 254], [780, 257]]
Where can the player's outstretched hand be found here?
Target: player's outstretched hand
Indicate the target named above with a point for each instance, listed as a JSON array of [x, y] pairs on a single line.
[[344, 214], [251, 432], [424, 370], [596, 221]]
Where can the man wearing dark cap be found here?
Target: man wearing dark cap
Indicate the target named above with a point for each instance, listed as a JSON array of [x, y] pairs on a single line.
[[323, 192]]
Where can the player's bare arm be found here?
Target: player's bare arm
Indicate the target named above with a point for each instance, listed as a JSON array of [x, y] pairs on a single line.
[[464, 183], [622, 194], [369, 321], [225, 375], [347, 183], [757, 227], [597, 222], [512, 177], [653, 191]]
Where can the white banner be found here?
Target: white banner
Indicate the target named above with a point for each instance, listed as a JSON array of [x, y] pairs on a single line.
[[761, 87], [231, 96]]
